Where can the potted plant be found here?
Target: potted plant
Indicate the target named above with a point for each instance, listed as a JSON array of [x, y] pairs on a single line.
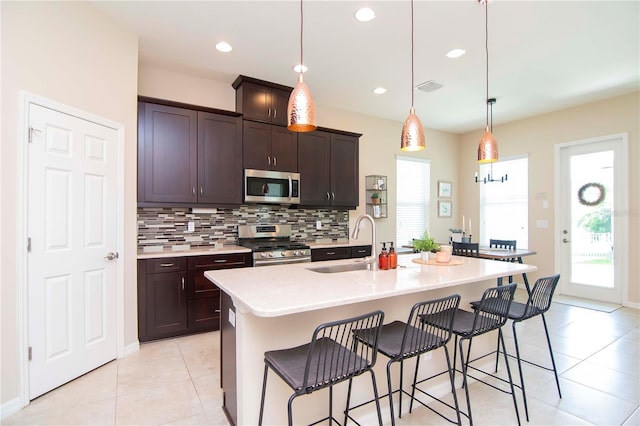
[[425, 244], [375, 198]]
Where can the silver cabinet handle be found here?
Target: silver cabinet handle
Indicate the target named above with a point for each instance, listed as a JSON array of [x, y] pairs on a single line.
[[220, 261], [112, 255], [328, 196], [201, 191], [193, 191], [268, 161], [331, 253], [182, 283], [275, 113], [217, 311], [269, 113], [275, 161], [333, 195], [166, 265]]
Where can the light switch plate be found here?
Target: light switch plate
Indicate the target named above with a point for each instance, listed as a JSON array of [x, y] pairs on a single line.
[[191, 226], [318, 225]]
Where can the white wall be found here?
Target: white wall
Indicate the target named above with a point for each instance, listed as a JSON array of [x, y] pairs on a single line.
[[69, 53], [538, 137]]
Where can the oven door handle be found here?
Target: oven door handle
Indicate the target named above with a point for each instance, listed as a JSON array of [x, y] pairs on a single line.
[[272, 262]]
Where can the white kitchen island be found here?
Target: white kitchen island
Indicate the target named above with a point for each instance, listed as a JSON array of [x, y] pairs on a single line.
[[266, 308]]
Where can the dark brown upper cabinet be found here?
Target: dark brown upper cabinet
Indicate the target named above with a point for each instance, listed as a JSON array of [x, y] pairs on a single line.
[[269, 147], [260, 100], [188, 156], [328, 166]]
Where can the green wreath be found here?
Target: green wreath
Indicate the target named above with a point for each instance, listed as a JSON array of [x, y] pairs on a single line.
[[593, 202]]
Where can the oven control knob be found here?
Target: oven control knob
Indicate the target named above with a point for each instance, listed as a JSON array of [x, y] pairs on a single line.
[[286, 253], [296, 253]]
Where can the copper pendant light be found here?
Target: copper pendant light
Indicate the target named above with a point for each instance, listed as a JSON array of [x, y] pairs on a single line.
[[301, 110], [412, 138], [488, 147]]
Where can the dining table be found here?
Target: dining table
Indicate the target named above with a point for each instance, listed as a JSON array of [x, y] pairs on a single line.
[[507, 255]]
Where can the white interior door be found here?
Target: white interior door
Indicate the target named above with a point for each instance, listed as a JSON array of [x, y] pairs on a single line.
[[592, 202], [72, 226]]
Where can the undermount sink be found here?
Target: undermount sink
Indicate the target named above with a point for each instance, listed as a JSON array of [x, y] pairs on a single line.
[[341, 268]]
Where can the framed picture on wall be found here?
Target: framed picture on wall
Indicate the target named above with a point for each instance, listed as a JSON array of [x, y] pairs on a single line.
[[444, 189], [444, 208]]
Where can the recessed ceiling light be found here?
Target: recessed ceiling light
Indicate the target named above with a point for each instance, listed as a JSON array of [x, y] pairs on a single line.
[[365, 14], [455, 53], [379, 90], [297, 68], [224, 47]]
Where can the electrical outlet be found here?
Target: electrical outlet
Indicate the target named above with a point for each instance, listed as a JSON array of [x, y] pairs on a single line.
[[318, 225], [191, 226]]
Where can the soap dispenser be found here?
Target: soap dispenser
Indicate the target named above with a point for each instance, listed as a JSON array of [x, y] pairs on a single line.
[[393, 257], [383, 258]]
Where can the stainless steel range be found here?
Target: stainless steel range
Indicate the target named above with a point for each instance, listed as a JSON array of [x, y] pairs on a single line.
[[272, 245]]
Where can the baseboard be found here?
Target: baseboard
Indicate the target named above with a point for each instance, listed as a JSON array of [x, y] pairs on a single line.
[[9, 408], [130, 349]]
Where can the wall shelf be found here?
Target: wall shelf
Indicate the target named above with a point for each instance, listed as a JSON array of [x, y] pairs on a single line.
[[376, 185]]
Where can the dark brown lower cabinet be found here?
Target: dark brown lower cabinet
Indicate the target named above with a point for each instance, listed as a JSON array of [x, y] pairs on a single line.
[[335, 253], [175, 298]]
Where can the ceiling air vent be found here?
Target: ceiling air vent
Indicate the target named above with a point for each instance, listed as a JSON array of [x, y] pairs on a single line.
[[429, 86]]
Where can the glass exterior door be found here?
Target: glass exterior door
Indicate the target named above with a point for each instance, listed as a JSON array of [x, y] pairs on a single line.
[[591, 254]]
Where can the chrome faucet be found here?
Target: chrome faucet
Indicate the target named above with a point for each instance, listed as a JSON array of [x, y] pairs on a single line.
[[373, 261]]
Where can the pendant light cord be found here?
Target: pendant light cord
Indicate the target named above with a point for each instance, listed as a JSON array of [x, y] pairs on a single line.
[[411, 53], [301, 32], [486, 49]]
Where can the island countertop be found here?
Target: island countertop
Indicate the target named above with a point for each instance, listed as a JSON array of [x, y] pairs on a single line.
[[288, 289]]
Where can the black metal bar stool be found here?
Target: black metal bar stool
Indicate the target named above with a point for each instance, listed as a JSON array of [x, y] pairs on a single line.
[[491, 314], [538, 302], [400, 341], [332, 356]]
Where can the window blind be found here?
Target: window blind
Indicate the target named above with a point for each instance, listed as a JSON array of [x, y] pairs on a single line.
[[412, 198]]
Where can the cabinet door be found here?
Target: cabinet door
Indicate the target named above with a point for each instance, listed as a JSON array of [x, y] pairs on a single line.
[[344, 170], [256, 102], [170, 154], [256, 145], [284, 149], [166, 304], [279, 105], [219, 159], [314, 168]]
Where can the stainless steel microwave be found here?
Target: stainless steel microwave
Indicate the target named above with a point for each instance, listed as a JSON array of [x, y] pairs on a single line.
[[266, 186]]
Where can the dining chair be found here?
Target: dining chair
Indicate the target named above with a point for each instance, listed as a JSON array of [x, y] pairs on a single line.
[[507, 245], [466, 249], [400, 341], [332, 356], [503, 244]]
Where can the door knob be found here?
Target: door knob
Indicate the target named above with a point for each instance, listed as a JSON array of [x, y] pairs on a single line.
[[112, 255], [564, 240]]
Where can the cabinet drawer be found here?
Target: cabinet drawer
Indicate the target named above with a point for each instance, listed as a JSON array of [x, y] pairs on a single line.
[[220, 261], [204, 314], [168, 264], [330, 253], [360, 251]]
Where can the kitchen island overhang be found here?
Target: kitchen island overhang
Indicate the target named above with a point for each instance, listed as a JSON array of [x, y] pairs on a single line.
[[279, 306]]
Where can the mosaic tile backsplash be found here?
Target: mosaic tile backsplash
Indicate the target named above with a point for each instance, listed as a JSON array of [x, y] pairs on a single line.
[[167, 227]]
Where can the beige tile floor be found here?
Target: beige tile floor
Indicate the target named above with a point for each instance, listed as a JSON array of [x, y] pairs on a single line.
[[176, 381]]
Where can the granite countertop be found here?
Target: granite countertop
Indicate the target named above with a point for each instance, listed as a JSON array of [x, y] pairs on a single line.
[[196, 251], [287, 289]]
